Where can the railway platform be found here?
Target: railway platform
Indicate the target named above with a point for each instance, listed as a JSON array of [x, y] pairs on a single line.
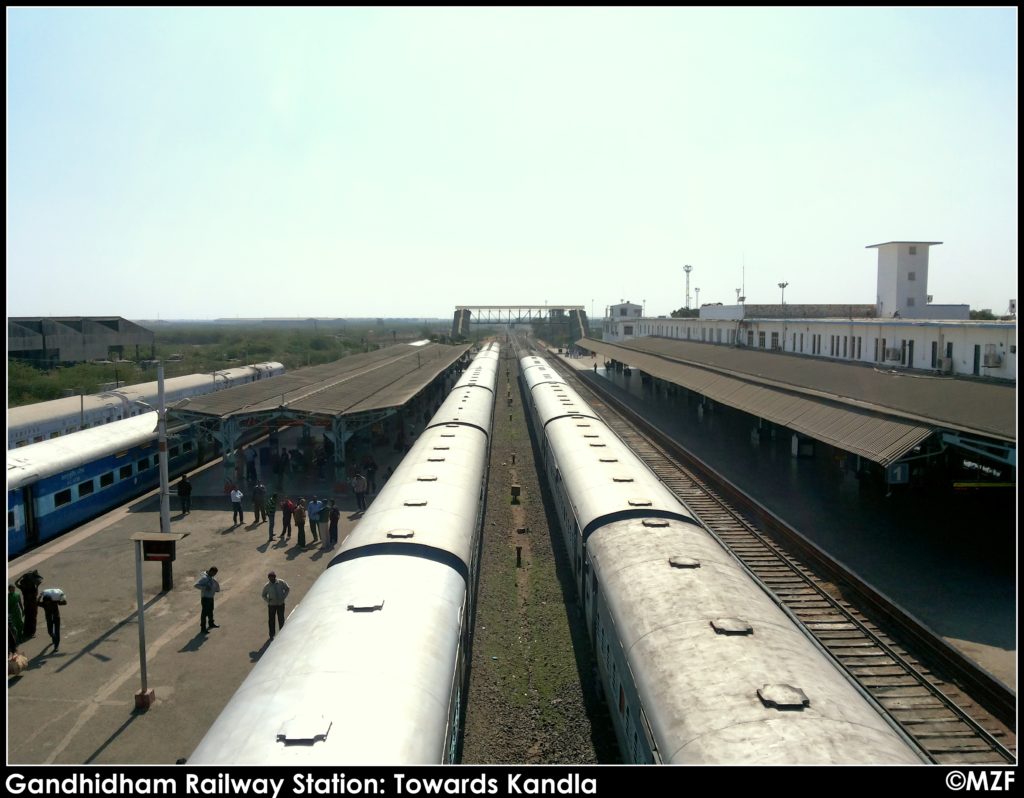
[[918, 556], [77, 705]]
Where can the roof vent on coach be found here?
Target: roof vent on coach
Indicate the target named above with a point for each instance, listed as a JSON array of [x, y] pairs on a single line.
[[783, 696], [304, 730], [401, 534], [366, 605], [683, 562], [731, 626]]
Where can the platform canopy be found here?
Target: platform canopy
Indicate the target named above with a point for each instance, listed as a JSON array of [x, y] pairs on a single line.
[[877, 414]]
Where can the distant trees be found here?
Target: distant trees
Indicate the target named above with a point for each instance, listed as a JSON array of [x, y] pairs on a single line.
[[685, 313], [207, 347]]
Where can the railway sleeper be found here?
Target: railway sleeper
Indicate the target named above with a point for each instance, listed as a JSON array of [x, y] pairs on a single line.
[[909, 703], [877, 670], [832, 626]]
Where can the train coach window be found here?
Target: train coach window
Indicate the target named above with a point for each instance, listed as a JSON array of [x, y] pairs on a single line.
[[125, 472], [106, 480], [85, 488], [175, 451], [188, 446], [10, 519], [62, 497], [143, 464]]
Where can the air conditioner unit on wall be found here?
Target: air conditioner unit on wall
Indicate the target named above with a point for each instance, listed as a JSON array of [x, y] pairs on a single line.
[[946, 365], [993, 360], [894, 353]]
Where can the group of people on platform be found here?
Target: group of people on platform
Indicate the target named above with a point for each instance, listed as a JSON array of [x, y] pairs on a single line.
[[274, 594], [24, 597]]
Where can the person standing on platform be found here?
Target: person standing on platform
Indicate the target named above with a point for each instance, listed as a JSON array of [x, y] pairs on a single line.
[[52, 599], [287, 508], [259, 502], [210, 587], [250, 464], [314, 509], [332, 530], [359, 487], [237, 517], [284, 463], [274, 593], [299, 513], [185, 494], [28, 584], [371, 473], [15, 613], [271, 514]]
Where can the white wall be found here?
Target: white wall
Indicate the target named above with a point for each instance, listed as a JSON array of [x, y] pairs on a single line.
[[838, 339]]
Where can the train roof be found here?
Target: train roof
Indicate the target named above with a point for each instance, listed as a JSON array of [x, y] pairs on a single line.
[[46, 458], [66, 407], [675, 595], [361, 674]]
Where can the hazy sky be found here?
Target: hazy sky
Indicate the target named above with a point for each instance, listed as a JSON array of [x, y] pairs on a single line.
[[190, 163]]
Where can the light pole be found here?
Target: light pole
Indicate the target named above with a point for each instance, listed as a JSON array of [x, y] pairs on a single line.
[[687, 268], [783, 287], [165, 494]]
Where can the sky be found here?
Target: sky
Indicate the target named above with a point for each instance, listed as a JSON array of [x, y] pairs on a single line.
[[362, 162]]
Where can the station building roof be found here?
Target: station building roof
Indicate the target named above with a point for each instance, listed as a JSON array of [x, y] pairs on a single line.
[[880, 414]]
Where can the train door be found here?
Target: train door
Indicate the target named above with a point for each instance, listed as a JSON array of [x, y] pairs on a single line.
[[28, 498], [593, 605]]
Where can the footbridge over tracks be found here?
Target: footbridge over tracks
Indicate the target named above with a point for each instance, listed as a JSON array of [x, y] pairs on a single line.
[[573, 318]]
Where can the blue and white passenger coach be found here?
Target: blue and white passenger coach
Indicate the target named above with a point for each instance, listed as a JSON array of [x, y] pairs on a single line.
[[55, 485]]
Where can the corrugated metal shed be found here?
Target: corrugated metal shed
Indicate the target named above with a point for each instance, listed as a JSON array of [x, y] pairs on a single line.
[[384, 378], [880, 415]]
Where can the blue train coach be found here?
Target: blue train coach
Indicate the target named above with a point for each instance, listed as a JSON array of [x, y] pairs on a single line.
[[55, 485]]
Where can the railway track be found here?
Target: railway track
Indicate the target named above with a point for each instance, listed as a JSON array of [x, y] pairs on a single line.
[[946, 723]]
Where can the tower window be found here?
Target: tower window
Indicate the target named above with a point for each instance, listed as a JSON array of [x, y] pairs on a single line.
[[913, 250], [911, 276]]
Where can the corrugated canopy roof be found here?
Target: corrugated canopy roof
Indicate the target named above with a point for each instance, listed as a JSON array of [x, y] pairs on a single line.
[[375, 380], [877, 414]]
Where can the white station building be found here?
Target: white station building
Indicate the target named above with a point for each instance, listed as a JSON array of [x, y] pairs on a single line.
[[903, 329]]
